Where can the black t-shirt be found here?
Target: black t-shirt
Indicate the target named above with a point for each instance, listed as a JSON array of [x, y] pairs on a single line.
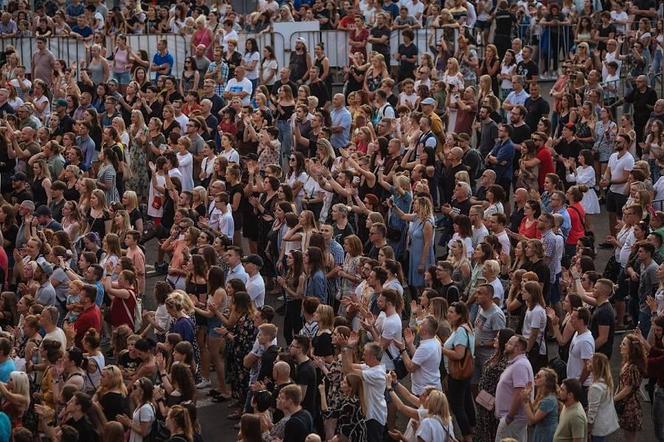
[[305, 374], [341, 234], [86, 431], [605, 32], [569, 149], [299, 426], [113, 404], [450, 292], [604, 315], [527, 68], [322, 345], [406, 68], [520, 133], [537, 108], [377, 32]]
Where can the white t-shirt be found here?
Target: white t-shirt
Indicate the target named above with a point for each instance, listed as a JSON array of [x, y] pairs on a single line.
[[431, 430], [427, 356], [152, 193], [227, 224], [479, 234], [145, 413], [232, 156], [618, 166], [504, 241], [186, 168], [374, 392], [57, 335], [535, 318], [391, 329], [248, 58], [622, 16], [266, 68], [244, 85], [182, 121], [581, 348], [256, 289], [498, 291]]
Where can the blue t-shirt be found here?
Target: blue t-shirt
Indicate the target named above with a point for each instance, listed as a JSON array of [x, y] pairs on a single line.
[[5, 370], [84, 31], [159, 59], [185, 328], [5, 427], [99, 299]]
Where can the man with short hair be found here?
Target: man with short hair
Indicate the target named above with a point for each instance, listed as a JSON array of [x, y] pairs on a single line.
[[536, 106], [221, 219], [90, 316], [48, 320], [5, 107], [448, 287], [490, 320], [45, 294], [305, 373], [424, 366], [581, 350], [376, 241], [498, 222], [643, 99], [517, 376], [615, 177], [162, 62], [553, 254], [43, 63], [379, 37], [233, 259], [527, 68], [239, 86], [388, 332], [518, 96], [341, 120], [501, 157], [57, 199], [488, 131], [603, 319], [45, 219], [300, 422], [372, 373], [85, 143], [255, 284], [573, 422], [648, 285]]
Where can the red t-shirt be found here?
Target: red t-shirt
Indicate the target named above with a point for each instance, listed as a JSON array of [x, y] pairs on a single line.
[[530, 232], [577, 219], [546, 165], [90, 318], [122, 311], [4, 265]]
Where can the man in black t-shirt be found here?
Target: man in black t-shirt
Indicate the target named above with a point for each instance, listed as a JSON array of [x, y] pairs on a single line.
[[379, 37], [300, 424], [568, 147], [527, 68], [407, 56], [305, 372], [448, 288], [77, 410], [505, 21], [603, 319], [536, 106]]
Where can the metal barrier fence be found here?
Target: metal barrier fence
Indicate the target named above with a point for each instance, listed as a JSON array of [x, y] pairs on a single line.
[[72, 50]]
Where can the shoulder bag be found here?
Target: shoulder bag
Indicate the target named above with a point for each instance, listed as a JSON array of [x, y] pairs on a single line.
[[463, 368]]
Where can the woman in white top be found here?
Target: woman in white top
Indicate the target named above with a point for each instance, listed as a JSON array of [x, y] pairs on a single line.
[[437, 425], [228, 151], [507, 70], [185, 163], [39, 100], [601, 412], [415, 415], [454, 81], [495, 196], [250, 61], [140, 424], [297, 177], [269, 67], [534, 324], [584, 174]]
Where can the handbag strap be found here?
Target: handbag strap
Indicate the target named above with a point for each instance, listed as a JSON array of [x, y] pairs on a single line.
[[124, 304]]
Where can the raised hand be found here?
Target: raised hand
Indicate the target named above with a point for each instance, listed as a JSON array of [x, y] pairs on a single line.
[[409, 336]]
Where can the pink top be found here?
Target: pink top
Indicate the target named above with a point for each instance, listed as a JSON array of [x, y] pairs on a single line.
[[203, 37]]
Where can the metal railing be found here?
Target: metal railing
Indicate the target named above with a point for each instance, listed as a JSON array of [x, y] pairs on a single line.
[[73, 50]]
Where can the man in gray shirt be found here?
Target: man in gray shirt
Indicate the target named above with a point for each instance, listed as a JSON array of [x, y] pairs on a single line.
[[46, 292], [490, 320], [648, 284]]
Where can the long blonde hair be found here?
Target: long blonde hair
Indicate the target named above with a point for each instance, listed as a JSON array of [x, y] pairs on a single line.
[[437, 405], [601, 370]]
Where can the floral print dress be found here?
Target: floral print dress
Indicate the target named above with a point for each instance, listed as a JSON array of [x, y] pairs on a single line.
[[244, 334], [333, 388], [139, 181], [631, 418], [350, 419], [487, 424]]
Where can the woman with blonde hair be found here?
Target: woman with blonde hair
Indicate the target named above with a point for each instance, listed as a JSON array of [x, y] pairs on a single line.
[[543, 411], [437, 425], [534, 324], [98, 217], [601, 412], [419, 239], [458, 257], [72, 223], [15, 397], [121, 224], [130, 203], [111, 392], [97, 67], [376, 73]]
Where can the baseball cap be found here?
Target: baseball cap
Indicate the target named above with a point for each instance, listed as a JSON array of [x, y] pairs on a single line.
[[253, 259], [43, 210], [428, 101], [61, 102]]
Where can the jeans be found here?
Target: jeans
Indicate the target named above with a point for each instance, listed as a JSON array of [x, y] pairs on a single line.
[[122, 77], [597, 438], [658, 413], [292, 319], [644, 322], [286, 139], [462, 404]]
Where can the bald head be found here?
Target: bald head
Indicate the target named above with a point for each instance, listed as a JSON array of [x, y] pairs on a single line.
[[338, 100], [282, 370], [521, 194]]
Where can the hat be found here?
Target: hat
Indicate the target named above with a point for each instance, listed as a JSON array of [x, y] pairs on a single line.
[[300, 40], [43, 211], [253, 259], [463, 136], [61, 102], [45, 266], [251, 157], [19, 176], [113, 80], [428, 101]]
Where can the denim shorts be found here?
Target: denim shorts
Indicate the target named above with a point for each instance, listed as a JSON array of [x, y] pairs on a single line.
[[122, 77]]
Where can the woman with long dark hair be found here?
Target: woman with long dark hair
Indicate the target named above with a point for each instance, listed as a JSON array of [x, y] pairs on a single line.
[[461, 340], [250, 62], [316, 283], [543, 411], [293, 285], [627, 401], [107, 175], [196, 287]]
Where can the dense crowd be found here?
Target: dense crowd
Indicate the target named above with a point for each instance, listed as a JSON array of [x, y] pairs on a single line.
[[400, 248]]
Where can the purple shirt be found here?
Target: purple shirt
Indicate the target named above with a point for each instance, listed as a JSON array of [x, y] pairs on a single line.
[[517, 375]]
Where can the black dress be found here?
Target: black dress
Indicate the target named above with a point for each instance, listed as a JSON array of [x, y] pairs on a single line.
[[200, 291], [98, 225], [38, 192]]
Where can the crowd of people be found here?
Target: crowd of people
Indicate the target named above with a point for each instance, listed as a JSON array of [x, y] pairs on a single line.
[[401, 248]]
